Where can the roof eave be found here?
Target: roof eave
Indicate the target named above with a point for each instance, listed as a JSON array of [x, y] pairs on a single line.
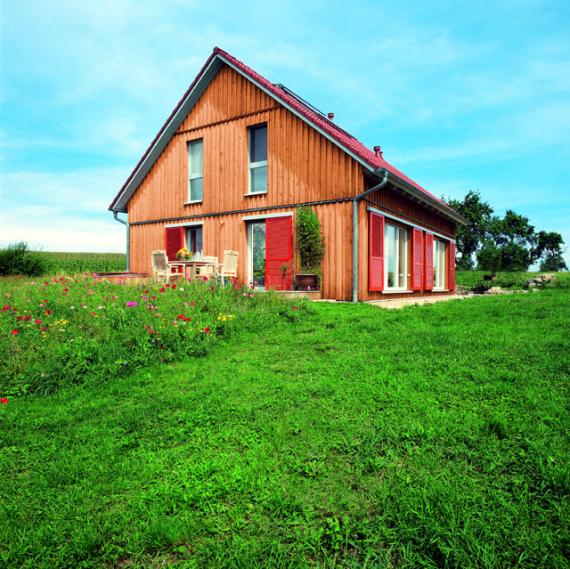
[[424, 198]]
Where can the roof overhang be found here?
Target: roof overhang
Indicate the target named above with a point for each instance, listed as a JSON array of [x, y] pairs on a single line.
[[421, 197]]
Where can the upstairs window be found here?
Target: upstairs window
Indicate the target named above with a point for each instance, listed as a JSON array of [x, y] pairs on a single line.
[[258, 159], [196, 170], [438, 264]]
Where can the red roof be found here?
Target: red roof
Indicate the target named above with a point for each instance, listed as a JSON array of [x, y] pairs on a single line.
[[344, 139]]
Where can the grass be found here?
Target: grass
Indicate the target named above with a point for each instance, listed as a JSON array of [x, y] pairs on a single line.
[[71, 263], [435, 436]]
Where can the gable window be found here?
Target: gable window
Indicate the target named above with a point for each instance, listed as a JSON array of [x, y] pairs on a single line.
[[257, 136], [196, 170], [396, 257], [194, 239], [438, 264]]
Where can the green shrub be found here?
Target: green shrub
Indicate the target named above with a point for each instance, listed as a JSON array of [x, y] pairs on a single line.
[[309, 239], [17, 259]]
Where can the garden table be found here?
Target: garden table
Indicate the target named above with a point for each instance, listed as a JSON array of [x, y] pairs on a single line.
[[191, 266]]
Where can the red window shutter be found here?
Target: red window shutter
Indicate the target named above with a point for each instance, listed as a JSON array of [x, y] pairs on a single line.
[[417, 258], [375, 252], [451, 285], [428, 262], [173, 241], [278, 252]]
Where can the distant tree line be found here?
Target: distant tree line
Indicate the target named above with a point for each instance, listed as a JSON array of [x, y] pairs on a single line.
[[509, 243]]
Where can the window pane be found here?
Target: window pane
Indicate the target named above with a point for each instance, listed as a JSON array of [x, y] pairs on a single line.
[[402, 259], [258, 253], [258, 179], [258, 144], [196, 189], [196, 151], [391, 253]]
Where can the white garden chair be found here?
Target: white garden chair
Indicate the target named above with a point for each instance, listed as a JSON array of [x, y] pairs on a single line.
[[229, 265], [211, 269], [162, 269]]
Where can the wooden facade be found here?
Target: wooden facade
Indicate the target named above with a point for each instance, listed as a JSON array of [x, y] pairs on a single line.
[[303, 167]]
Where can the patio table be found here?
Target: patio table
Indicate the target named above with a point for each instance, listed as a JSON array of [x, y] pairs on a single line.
[[190, 267]]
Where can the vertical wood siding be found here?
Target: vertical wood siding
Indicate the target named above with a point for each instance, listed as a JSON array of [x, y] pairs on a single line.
[[302, 165]]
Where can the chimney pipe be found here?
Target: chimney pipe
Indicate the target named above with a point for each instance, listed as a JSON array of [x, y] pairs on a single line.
[[330, 116], [378, 152]]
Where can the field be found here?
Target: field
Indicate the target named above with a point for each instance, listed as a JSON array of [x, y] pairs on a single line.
[[326, 436], [510, 280], [70, 263]]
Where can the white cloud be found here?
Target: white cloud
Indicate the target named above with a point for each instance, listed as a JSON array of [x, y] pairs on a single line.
[[61, 212]]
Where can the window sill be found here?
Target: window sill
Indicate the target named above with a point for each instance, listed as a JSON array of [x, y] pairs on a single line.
[[397, 291], [192, 202], [250, 194], [440, 290]]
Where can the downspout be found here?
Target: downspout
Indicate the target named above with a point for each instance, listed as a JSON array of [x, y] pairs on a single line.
[[128, 226], [355, 201]]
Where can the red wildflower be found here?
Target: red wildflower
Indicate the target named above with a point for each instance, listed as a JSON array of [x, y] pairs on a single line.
[[206, 330], [153, 297], [173, 287], [19, 318], [6, 307], [38, 321], [65, 289], [162, 289], [294, 308], [4, 400], [15, 332], [47, 312], [168, 285], [27, 317], [43, 329], [145, 291], [93, 313]]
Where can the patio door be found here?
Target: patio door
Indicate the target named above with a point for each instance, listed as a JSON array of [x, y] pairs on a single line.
[[270, 249], [256, 250]]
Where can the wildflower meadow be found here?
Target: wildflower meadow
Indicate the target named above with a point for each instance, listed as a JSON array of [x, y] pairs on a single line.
[[72, 330]]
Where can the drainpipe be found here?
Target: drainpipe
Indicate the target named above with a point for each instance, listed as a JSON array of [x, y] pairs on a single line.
[[128, 226], [355, 201]]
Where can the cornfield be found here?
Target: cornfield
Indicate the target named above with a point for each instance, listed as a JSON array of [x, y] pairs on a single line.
[[70, 263]]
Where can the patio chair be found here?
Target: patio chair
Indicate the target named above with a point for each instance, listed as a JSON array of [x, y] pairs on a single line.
[[229, 265], [162, 269], [211, 269]]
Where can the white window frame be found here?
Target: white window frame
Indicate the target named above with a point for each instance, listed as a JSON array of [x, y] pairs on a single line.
[[439, 264], [405, 268], [194, 176], [255, 165]]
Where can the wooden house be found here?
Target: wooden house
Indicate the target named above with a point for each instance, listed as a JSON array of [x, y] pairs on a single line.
[[236, 159]]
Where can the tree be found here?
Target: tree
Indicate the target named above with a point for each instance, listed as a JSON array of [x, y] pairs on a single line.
[[549, 250], [510, 244], [470, 237]]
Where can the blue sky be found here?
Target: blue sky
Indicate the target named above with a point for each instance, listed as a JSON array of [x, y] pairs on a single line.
[[459, 95]]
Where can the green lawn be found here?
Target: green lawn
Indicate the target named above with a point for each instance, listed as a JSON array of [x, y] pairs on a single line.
[[354, 437]]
